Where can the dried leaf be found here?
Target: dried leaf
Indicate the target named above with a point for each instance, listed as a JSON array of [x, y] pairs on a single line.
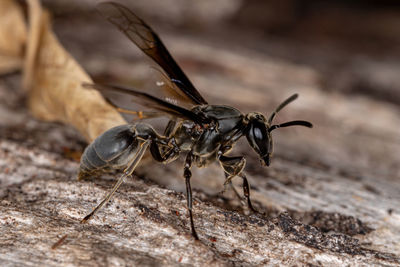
[[54, 81], [12, 36]]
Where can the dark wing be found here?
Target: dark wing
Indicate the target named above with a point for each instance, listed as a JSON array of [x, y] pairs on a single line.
[[170, 91], [151, 102], [148, 41]]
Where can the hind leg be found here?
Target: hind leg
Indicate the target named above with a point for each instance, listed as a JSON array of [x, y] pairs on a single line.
[[128, 171]]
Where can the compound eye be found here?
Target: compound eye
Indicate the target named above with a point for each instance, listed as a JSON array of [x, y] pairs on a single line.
[[261, 137]]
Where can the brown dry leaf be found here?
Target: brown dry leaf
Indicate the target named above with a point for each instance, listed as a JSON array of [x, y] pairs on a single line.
[[54, 80], [12, 36]]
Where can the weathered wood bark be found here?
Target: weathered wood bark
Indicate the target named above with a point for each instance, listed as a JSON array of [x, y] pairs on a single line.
[[330, 197]]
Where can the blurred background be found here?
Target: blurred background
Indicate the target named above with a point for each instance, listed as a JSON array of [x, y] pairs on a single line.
[[353, 45]]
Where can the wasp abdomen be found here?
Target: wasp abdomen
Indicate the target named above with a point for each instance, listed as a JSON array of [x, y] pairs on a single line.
[[111, 150]]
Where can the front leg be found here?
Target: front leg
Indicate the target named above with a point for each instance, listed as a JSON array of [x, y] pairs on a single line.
[[188, 174], [233, 166]]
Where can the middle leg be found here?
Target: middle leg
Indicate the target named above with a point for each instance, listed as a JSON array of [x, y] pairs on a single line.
[[188, 174]]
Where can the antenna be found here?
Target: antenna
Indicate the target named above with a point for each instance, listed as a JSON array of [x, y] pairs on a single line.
[[291, 123], [281, 106]]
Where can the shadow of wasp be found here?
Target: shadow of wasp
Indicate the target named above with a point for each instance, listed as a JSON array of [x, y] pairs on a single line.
[[204, 132]]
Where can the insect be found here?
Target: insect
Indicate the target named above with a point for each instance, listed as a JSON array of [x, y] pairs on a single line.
[[205, 133]]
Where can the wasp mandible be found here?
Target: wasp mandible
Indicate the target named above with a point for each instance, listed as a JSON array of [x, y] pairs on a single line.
[[204, 132]]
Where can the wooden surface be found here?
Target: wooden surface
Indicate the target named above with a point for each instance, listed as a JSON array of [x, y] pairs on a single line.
[[331, 196]]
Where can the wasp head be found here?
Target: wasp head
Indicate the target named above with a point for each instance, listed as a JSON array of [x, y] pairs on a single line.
[[259, 129], [259, 136]]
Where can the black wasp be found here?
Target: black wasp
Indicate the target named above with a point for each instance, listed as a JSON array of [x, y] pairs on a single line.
[[206, 133]]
